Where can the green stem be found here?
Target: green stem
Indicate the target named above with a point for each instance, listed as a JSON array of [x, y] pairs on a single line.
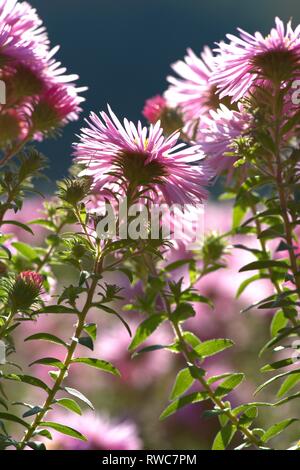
[[50, 250], [210, 392], [275, 283], [191, 361], [281, 188], [66, 364]]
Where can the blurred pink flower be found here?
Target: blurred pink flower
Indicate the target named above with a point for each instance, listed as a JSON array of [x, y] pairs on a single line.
[[102, 433], [140, 371], [216, 137], [154, 108], [192, 93]]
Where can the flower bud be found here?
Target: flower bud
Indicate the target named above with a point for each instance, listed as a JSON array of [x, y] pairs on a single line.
[[73, 191], [25, 290], [213, 249]]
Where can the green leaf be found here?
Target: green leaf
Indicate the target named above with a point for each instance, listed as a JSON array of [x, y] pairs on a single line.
[[98, 364], [277, 428], [277, 365], [26, 250], [216, 378], [194, 297], [289, 383], [48, 361], [91, 330], [229, 384], [36, 445], [248, 416], [191, 339], [69, 404], [87, 342], [55, 309], [153, 347], [28, 379], [287, 399], [264, 264], [238, 215], [214, 412], [77, 394], [145, 329], [18, 224], [213, 346], [46, 337], [13, 418], [277, 377], [177, 264], [44, 433], [283, 334], [224, 437], [33, 411], [64, 430], [44, 223], [247, 283], [183, 312], [184, 380], [183, 401], [279, 321]]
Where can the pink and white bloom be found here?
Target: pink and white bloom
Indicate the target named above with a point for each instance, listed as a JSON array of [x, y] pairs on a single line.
[[144, 152], [217, 134], [24, 23], [251, 58], [33, 76], [192, 92]]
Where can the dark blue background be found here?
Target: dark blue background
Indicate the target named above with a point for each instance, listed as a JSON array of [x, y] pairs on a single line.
[[122, 49]]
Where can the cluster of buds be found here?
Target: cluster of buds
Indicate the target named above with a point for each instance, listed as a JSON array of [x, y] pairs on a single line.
[[38, 97]]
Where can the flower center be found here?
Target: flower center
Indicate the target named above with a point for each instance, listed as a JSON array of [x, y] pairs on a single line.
[[137, 170], [276, 65]]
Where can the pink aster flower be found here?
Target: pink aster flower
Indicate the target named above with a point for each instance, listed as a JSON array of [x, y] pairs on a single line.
[[144, 156], [192, 93], [249, 58], [102, 433], [36, 82], [154, 107], [24, 22], [57, 106], [217, 134], [12, 48]]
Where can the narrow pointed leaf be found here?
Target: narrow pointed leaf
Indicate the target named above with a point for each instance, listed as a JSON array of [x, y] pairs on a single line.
[[183, 401], [64, 430], [98, 364], [145, 329]]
